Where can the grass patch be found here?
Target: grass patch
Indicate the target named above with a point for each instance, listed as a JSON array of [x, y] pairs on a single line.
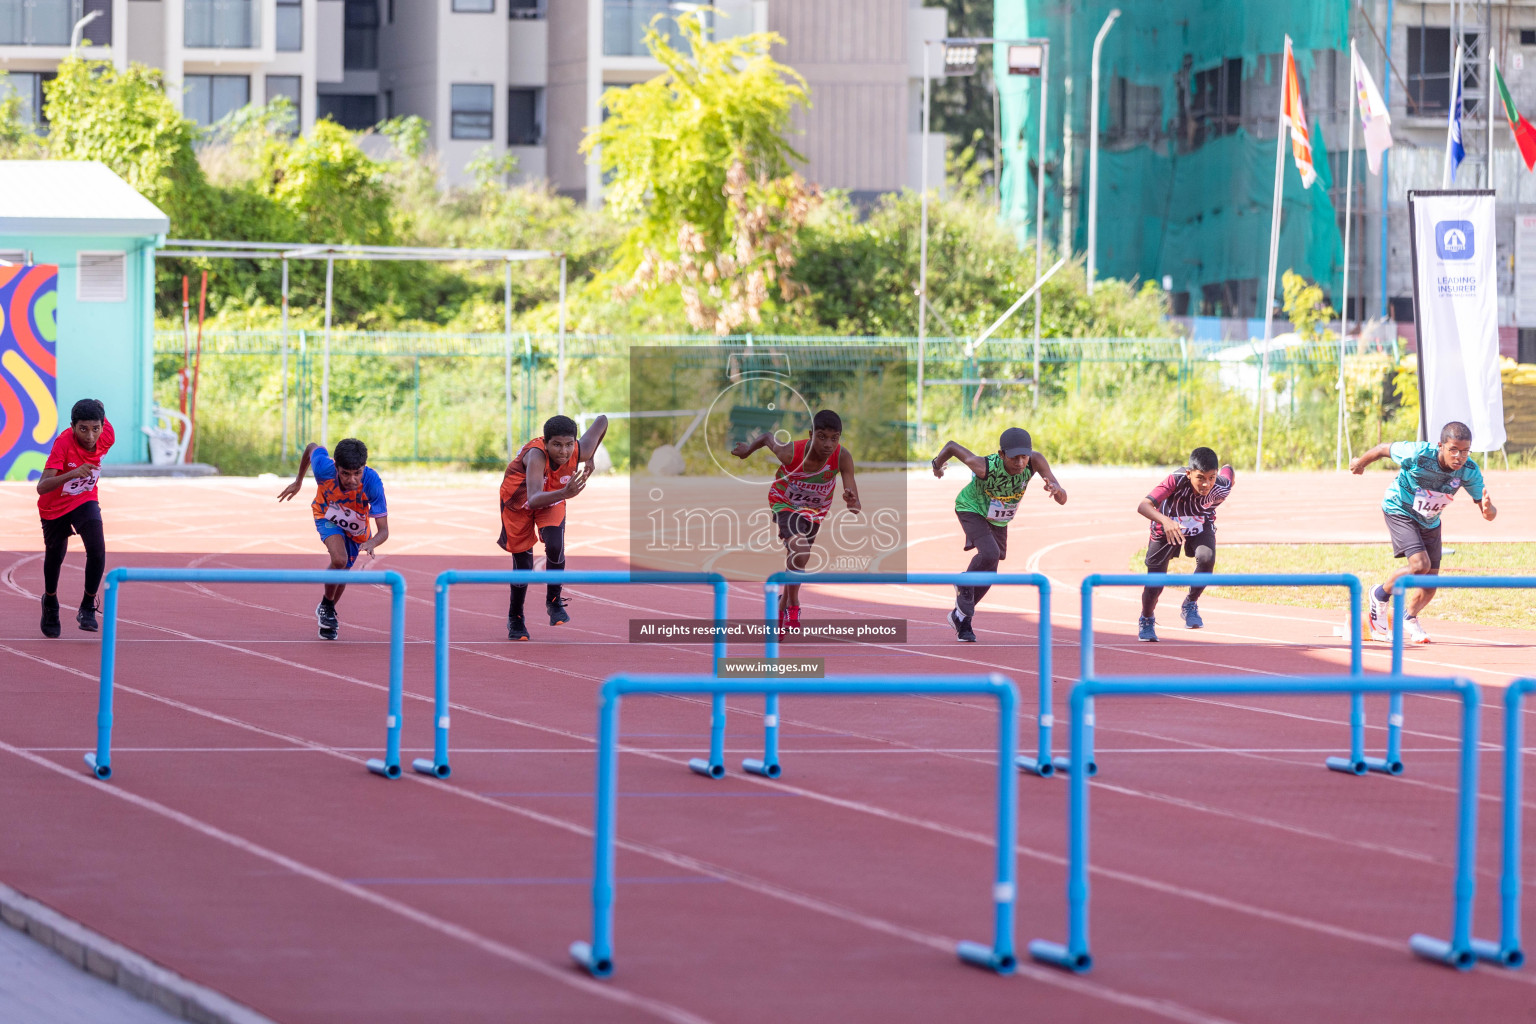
[[1373, 563]]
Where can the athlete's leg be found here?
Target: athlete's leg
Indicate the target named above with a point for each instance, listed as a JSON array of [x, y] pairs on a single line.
[[1159, 554], [554, 556], [336, 546], [1205, 556], [520, 560], [55, 547], [990, 544]]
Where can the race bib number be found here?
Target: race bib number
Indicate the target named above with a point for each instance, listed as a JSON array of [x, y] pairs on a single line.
[[82, 484], [1430, 504], [346, 518], [1190, 525], [1002, 511]]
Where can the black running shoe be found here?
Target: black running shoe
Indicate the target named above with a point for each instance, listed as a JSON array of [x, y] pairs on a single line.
[[86, 616], [325, 614], [556, 609], [962, 626], [516, 630], [50, 624]]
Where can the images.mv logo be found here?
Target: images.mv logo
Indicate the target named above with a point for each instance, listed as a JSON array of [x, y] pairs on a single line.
[[1453, 239]]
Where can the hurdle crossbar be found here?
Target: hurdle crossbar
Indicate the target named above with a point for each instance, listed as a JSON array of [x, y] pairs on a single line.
[[1357, 763], [438, 766], [597, 956], [100, 761], [1457, 952], [1399, 602], [1041, 764]]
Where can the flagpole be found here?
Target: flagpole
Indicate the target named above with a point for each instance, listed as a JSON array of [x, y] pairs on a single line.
[[1452, 119], [1274, 253], [1490, 88], [1349, 195]]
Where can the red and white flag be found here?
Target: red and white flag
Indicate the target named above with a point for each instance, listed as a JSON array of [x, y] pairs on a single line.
[[1296, 118]]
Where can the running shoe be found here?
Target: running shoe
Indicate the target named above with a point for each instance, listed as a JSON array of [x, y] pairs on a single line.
[[962, 626], [1191, 613], [325, 614], [516, 630], [556, 609], [792, 617], [86, 616], [1146, 630], [50, 623], [1381, 622], [1413, 632]]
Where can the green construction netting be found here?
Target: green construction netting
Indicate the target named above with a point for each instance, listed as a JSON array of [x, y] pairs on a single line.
[[1201, 216]]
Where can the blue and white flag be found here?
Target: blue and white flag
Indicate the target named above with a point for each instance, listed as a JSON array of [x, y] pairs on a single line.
[[1454, 151]]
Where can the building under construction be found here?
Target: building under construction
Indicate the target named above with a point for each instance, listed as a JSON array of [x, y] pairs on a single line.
[[1189, 106]]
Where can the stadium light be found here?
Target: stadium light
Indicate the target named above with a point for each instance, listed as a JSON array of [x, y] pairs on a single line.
[[1026, 59], [960, 58]]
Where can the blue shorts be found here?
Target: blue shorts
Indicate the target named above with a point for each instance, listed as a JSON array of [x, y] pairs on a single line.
[[326, 528]]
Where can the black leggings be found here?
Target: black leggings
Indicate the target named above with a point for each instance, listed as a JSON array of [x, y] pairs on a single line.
[[554, 561], [84, 521]]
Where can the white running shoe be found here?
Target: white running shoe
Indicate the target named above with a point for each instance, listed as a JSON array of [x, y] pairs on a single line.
[[1380, 621], [1413, 632]]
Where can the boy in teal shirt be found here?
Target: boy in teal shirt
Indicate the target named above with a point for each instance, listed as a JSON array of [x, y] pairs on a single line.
[[1428, 479], [987, 504]]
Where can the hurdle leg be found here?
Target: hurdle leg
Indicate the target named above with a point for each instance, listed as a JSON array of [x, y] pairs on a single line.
[[100, 762], [1065, 764], [713, 768], [597, 956], [438, 765], [1458, 951], [1507, 952], [389, 767], [1355, 764], [1000, 956], [769, 766], [1074, 955]]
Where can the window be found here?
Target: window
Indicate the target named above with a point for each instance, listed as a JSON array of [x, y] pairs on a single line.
[[389, 104], [291, 88], [36, 23], [101, 276], [1135, 112], [28, 85], [1429, 69], [222, 24], [1237, 298], [474, 6], [1215, 103], [360, 43], [1528, 37], [289, 28], [525, 8], [354, 111], [525, 121], [208, 99], [625, 22], [472, 109]]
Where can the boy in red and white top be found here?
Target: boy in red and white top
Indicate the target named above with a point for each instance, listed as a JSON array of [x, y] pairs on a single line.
[[67, 504], [801, 494], [1183, 513]]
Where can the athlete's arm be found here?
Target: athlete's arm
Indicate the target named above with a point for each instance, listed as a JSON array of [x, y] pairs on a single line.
[[1487, 506], [951, 450], [1171, 527], [850, 486], [538, 497], [298, 481], [1381, 451], [382, 523], [52, 479], [784, 452], [591, 439], [1052, 486]]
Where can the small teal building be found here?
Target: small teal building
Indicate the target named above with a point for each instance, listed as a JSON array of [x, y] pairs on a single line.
[[85, 330]]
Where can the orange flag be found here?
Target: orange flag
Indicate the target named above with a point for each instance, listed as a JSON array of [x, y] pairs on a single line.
[[1296, 117]]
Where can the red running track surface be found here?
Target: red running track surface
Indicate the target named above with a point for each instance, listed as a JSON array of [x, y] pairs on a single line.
[[242, 844]]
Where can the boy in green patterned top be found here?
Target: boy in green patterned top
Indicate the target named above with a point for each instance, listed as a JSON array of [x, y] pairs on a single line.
[[986, 505]]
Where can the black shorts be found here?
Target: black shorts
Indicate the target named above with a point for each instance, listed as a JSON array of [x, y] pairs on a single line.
[[1409, 538], [57, 531], [793, 524], [977, 526], [1160, 551]]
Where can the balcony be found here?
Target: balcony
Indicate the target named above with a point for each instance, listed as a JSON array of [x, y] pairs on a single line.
[[222, 24], [625, 22]]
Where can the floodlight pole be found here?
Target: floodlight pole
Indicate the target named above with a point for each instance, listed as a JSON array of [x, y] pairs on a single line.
[[1093, 149], [560, 368], [1045, 61], [922, 255], [507, 353], [284, 449], [325, 384]]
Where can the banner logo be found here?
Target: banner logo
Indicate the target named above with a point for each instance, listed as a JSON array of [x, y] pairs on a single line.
[[1453, 240]]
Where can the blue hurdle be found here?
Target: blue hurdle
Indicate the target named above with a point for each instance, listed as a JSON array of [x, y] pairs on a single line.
[[597, 956], [1399, 592], [1357, 763], [438, 765], [100, 762], [1458, 952], [1041, 764], [1507, 952]]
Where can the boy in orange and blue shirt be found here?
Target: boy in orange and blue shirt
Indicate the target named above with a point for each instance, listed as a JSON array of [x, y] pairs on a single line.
[[349, 494]]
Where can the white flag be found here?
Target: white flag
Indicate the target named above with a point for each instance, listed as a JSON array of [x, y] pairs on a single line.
[[1374, 116]]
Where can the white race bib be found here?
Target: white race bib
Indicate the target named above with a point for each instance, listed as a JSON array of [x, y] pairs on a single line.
[[1190, 525], [1430, 504], [344, 517], [1001, 511], [80, 485]]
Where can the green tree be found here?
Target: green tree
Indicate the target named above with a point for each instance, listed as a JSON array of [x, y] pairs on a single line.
[[700, 172], [1304, 305]]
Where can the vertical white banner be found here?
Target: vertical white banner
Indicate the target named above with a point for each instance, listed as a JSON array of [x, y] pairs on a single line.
[[1456, 299]]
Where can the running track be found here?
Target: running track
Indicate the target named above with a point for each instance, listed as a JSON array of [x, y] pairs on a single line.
[[242, 844]]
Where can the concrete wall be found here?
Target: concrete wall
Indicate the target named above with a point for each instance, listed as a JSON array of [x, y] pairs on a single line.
[[566, 95], [408, 60]]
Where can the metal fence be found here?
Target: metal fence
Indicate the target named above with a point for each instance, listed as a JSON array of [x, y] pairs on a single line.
[[471, 398]]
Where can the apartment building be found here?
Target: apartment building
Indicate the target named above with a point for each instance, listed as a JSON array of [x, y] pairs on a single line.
[[217, 55]]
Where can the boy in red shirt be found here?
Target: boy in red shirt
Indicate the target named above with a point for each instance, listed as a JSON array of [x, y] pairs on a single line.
[[66, 501], [541, 476], [347, 495]]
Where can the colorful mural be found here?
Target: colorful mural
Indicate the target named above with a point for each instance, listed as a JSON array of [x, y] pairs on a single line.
[[29, 409]]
